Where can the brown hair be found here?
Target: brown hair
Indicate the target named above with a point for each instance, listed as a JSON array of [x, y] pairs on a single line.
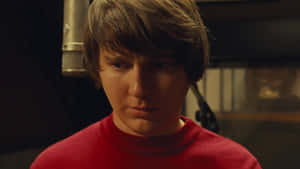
[[147, 27]]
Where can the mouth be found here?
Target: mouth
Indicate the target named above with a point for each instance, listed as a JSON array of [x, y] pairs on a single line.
[[145, 113], [145, 109]]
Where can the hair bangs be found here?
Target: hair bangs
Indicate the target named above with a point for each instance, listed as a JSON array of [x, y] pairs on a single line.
[[122, 28]]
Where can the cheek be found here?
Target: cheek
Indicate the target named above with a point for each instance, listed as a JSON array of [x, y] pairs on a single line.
[[176, 94], [174, 91], [114, 89]]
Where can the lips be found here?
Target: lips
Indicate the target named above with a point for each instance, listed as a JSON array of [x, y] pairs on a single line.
[[145, 109]]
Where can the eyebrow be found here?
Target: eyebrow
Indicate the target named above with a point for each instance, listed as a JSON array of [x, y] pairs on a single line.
[[113, 58]]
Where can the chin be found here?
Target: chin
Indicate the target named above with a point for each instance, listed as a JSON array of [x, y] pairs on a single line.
[[145, 127]]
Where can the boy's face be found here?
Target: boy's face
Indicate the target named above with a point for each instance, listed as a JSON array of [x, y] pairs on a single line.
[[146, 94]]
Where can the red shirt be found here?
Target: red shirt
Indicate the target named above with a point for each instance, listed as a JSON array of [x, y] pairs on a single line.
[[103, 146]]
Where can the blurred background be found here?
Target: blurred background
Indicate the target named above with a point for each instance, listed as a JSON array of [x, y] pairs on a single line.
[[252, 84]]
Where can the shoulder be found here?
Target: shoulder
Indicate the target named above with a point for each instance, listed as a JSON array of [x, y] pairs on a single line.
[[226, 152], [69, 149], [223, 152]]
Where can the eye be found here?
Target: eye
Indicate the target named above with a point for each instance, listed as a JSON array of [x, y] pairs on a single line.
[[165, 63], [164, 66], [121, 65]]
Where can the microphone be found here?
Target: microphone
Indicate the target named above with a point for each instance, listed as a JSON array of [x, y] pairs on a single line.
[[205, 115], [75, 16]]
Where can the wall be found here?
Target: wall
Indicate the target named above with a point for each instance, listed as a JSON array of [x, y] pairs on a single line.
[[260, 110]]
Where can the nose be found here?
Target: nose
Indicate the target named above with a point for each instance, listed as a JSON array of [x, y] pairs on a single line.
[[140, 82]]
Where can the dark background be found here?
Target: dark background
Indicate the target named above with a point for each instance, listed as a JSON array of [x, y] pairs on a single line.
[[39, 106]]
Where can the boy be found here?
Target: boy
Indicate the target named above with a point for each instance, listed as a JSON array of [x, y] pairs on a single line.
[[145, 54]]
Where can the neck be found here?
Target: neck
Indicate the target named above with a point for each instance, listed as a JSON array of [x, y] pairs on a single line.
[[145, 130]]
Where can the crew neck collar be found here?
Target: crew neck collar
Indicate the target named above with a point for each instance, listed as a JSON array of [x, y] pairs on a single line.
[[150, 145]]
